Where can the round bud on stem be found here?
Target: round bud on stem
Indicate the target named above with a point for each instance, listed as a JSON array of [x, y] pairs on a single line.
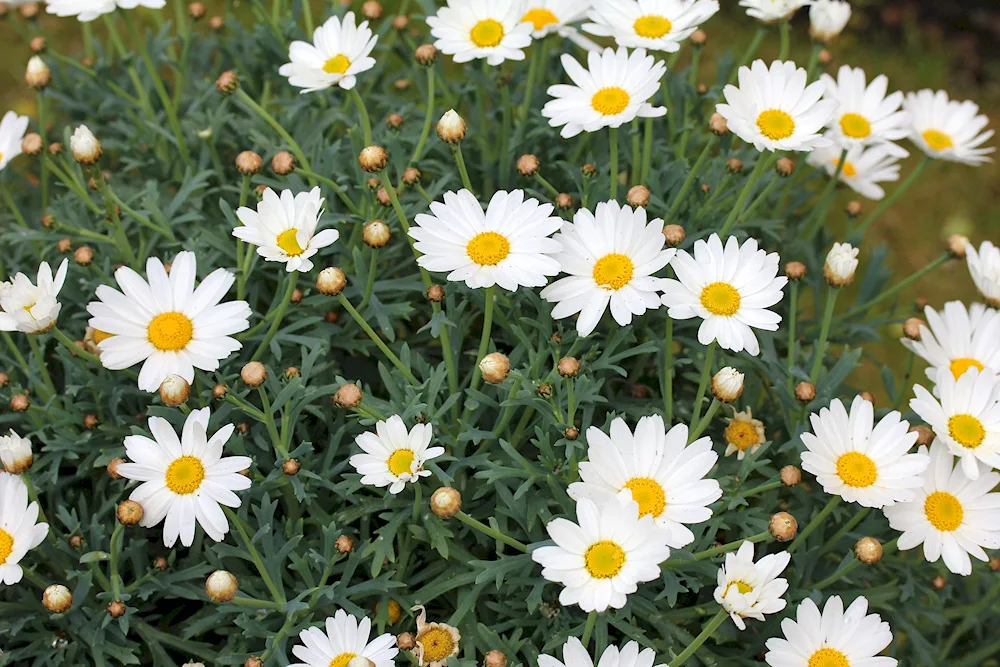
[[37, 75], [217, 23], [19, 403], [957, 244], [348, 396], [400, 22], [451, 128], [90, 421], [76, 541], [371, 10], [805, 391], [568, 367], [785, 167], [853, 208], [394, 121], [795, 270], [699, 37], [495, 658], [564, 200], [373, 159], [117, 609], [411, 176], [435, 293], [196, 10], [253, 661], [588, 170], [290, 467], [129, 513], [925, 435], [219, 391], [638, 195], [734, 165], [674, 235], [545, 390], [174, 391], [841, 265], [83, 255], [113, 468], [727, 384], [38, 44], [426, 54], [868, 396], [571, 433], [446, 502], [783, 527], [248, 163], [32, 144], [221, 586], [283, 163], [254, 373], [344, 544], [57, 598], [406, 641], [331, 281], [376, 234], [939, 583], [911, 328], [718, 125], [227, 83], [790, 475], [495, 367], [868, 550], [528, 164], [85, 146]]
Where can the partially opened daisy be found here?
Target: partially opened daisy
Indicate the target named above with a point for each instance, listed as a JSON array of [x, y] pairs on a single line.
[[18, 531], [548, 16], [657, 25], [167, 323], [655, 468], [772, 11], [827, 19], [743, 434], [958, 339], [749, 590], [284, 228], [12, 129], [865, 115], [508, 245], [32, 308], [729, 288], [88, 10], [614, 89], [604, 558], [610, 257], [864, 168], [946, 129], [984, 267], [951, 515], [576, 655], [392, 456], [490, 29], [340, 51], [345, 638], [435, 642], [774, 109]]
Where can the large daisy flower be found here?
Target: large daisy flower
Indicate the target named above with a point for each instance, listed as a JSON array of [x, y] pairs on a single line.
[[576, 655], [490, 29], [339, 52], [345, 638], [284, 228], [946, 129], [772, 11], [392, 457], [958, 339], [865, 116], [749, 590], [12, 129], [32, 308], [18, 531], [657, 25], [864, 168], [548, 16], [88, 10], [984, 267]]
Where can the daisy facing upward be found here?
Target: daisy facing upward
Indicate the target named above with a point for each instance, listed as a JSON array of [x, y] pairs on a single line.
[[284, 228], [340, 51], [344, 639], [657, 25], [494, 30], [392, 457], [958, 339]]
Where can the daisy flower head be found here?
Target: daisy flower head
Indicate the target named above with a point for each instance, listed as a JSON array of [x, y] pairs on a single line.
[[392, 456], [749, 590], [859, 460], [548, 16], [185, 480], [32, 307], [864, 168], [340, 51], [15, 453], [729, 288], [88, 10], [743, 434], [167, 323], [947, 129], [865, 115], [601, 560], [284, 228], [654, 467], [657, 25], [576, 655], [773, 11], [12, 129], [610, 256], [508, 245], [827, 19], [614, 89], [18, 531], [951, 516], [490, 29], [435, 642], [958, 339], [345, 638], [984, 267]]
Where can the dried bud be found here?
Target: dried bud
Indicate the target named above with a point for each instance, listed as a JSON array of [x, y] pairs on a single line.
[[805, 391], [76, 541], [446, 502], [348, 396], [394, 121], [219, 391], [411, 176], [727, 384], [331, 281], [545, 390], [734, 165], [117, 609], [435, 293], [925, 435], [85, 146], [572, 433], [495, 367], [957, 244], [426, 54], [19, 403], [90, 422], [37, 75], [568, 367], [706, 188], [868, 550], [221, 586], [718, 125], [841, 265], [371, 10], [495, 659], [196, 10], [248, 163], [853, 208], [699, 37], [373, 183], [243, 428], [638, 195], [344, 544], [332, 316], [783, 527], [527, 165], [32, 144], [400, 22], [451, 128], [406, 641], [795, 270], [254, 373], [48, 220], [790, 475], [939, 583], [373, 159], [113, 468], [129, 513], [290, 467], [174, 391], [785, 167], [227, 82], [564, 201], [674, 235], [38, 44]]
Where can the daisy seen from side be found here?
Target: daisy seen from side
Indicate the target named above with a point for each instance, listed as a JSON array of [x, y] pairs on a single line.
[[865, 114], [657, 25], [827, 19], [18, 531], [339, 52], [12, 129], [576, 655], [773, 11], [865, 168], [32, 307], [946, 129], [344, 638], [984, 267], [493, 30], [284, 228], [553, 16], [958, 338], [748, 589], [392, 456]]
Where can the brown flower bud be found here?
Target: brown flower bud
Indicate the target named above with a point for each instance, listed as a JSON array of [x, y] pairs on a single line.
[[868, 396], [545, 390], [451, 128], [55, 148], [638, 195], [113, 468], [371, 10], [564, 200], [701, 89], [253, 661], [283, 163], [196, 10], [64, 245], [57, 598], [925, 435], [825, 57], [219, 391], [217, 23], [939, 583], [588, 170], [674, 235], [37, 75], [48, 220], [394, 121], [129, 513], [995, 564], [783, 526], [706, 188], [344, 544], [331, 281], [568, 367], [19, 403], [446, 502], [426, 54], [292, 372], [373, 159], [401, 84], [854, 208], [435, 293], [382, 195], [373, 183], [785, 167], [734, 165], [495, 659], [90, 421], [296, 296], [527, 165], [957, 244], [38, 44], [227, 82], [790, 475], [221, 586], [795, 270], [495, 367], [348, 396], [254, 373], [572, 433], [718, 125], [243, 428], [331, 316], [699, 37], [406, 641], [805, 391], [117, 609], [248, 163], [920, 303], [290, 467], [76, 541], [400, 22], [174, 391], [411, 176], [83, 255], [32, 144], [868, 550]]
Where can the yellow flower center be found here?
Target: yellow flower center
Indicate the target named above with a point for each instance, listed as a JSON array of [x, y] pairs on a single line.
[[1, 156], [6, 545], [288, 242], [648, 493], [488, 248], [962, 364], [604, 559], [828, 657], [742, 586], [337, 65], [848, 170], [613, 271], [169, 332], [610, 101], [944, 511], [539, 17], [966, 430], [776, 124], [395, 612], [400, 461], [720, 299], [741, 434], [342, 660], [856, 469], [437, 644], [101, 335], [652, 26], [185, 475], [855, 126], [938, 140], [487, 33]]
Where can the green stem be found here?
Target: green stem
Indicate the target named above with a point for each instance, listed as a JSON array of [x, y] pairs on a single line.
[[706, 632], [241, 248], [111, 211], [286, 299], [241, 528], [277, 127], [33, 495], [456, 150], [888, 201], [758, 170], [785, 34], [826, 199], [824, 332], [692, 175], [272, 428], [503, 163], [814, 524], [814, 60], [9, 201], [307, 17], [44, 172], [49, 389], [491, 532], [545, 184], [705, 421], [706, 373], [846, 528], [425, 131], [763, 488], [366, 123], [793, 312], [635, 168], [588, 629], [370, 282], [647, 149], [489, 294], [509, 410], [613, 163], [731, 546], [378, 341], [886, 294], [758, 39], [668, 371], [115, 551], [887, 549]]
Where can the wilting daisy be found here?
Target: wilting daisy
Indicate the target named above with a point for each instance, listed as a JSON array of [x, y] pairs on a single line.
[[865, 115], [15, 453], [492, 30], [166, 323], [548, 16], [345, 638], [185, 480], [604, 558], [743, 434], [837, 638], [88, 10], [508, 245], [32, 308], [614, 90], [958, 339], [864, 168], [772, 11], [827, 19], [392, 456], [655, 468], [576, 655], [12, 129], [284, 228], [610, 258], [730, 289], [339, 52], [952, 516], [984, 267], [18, 531], [967, 417], [435, 642], [861, 461], [749, 590], [946, 129], [657, 25]]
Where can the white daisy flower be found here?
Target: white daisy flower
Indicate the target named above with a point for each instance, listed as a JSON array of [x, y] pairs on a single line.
[[186, 479], [774, 109], [490, 29], [610, 257], [339, 52], [958, 339], [12, 129], [345, 638], [18, 531], [15, 453], [865, 115], [392, 457], [730, 289], [743, 434], [946, 129], [984, 267], [827, 19], [614, 90], [88, 10], [166, 323], [284, 228], [749, 590], [864, 168], [548, 16], [603, 559], [657, 25], [435, 642], [837, 638], [655, 468], [32, 308], [967, 417], [773, 11], [952, 516], [508, 245], [575, 655]]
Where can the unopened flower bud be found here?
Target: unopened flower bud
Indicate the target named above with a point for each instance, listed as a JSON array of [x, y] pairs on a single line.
[[734, 165], [841, 264], [113, 468], [701, 89], [174, 391], [925, 435], [217, 23], [825, 57], [376, 234], [348, 396], [401, 84], [795, 270], [718, 125], [221, 586], [790, 475], [344, 544], [219, 391], [382, 195], [911, 328], [451, 128], [783, 527], [32, 144], [446, 502], [129, 513], [568, 367], [331, 281], [283, 163], [57, 598], [588, 170], [853, 208], [411, 176], [868, 550], [699, 37], [957, 245], [400, 22], [85, 146], [373, 159], [15, 453], [674, 235], [638, 195], [83, 255], [227, 82], [253, 661], [90, 421], [394, 121], [435, 293], [805, 391], [371, 10], [19, 403], [196, 10], [495, 658], [527, 165], [38, 44], [868, 396], [564, 200], [727, 384], [55, 148], [117, 609], [254, 373], [545, 390], [37, 75], [995, 564], [248, 163], [939, 582], [572, 433], [495, 367], [290, 467], [426, 54], [76, 541], [406, 641], [785, 167]]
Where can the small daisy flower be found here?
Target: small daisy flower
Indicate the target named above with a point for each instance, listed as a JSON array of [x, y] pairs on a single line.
[[549, 16], [601, 560], [657, 25], [575, 655], [749, 590], [827, 19], [508, 245], [12, 129], [284, 228], [772, 11], [655, 468], [185, 480], [967, 417], [729, 289], [865, 115], [345, 638], [864, 168], [984, 267], [435, 642], [610, 257], [392, 457], [946, 129], [32, 308], [860, 461], [743, 434], [774, 109], [18, 531], [339, 52], [15, 453], [88, 10], [837, 638], [490, 29], [166, 323], [958, 339], [614, 89], [952, 516]]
